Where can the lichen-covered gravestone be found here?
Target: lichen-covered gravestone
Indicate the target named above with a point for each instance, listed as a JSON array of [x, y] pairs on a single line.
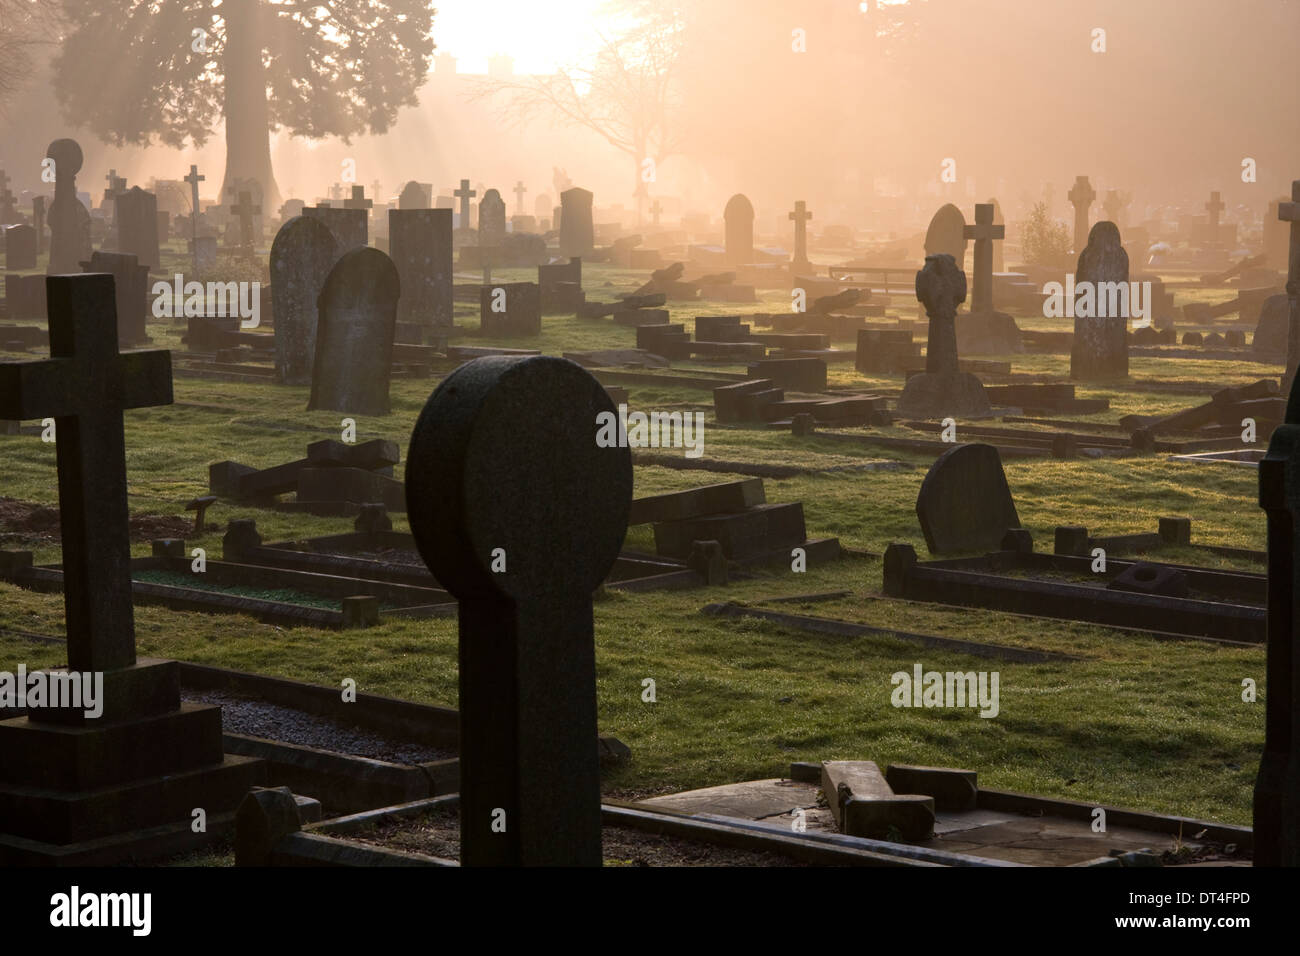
[[357, 311], [942, 390], [965, 503], [131, 282], [1100, 349], [520, 514], [302, 254]]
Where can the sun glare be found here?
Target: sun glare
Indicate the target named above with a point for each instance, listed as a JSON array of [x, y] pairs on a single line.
[[539, 36]]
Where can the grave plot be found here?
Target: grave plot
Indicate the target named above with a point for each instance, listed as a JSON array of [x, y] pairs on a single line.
[[333, 479]]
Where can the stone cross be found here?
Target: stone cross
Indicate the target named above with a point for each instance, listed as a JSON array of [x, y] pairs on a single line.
[[464, 194], [84, 386], [194, 178], [983, 232], [655, 210], [245, 210], [358, 199], [941, 287], [520, 189], [800, 217], [336, 192], [116, 184], [1081, 196], [1214, 207], [486, 524], [1290, 212]]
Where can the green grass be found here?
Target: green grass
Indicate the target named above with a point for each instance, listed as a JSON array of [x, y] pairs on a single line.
[[1138, 722]]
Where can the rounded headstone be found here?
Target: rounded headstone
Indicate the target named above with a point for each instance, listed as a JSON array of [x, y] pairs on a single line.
[[947, 234], [965, 503]]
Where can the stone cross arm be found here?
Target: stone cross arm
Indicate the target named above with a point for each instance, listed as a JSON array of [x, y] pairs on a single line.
[[60, 387]]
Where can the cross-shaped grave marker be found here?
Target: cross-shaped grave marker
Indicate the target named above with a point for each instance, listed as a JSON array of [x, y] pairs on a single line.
[[1081, 195], [116, 184], [1214, 207], [800, 217], [503, 457], [245, 210], [84, 386], [358, 199], [464, 194], [520, 189], [194, 178], [984, 232]]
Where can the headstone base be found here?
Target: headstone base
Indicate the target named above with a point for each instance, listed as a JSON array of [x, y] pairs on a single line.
[[944, 395]]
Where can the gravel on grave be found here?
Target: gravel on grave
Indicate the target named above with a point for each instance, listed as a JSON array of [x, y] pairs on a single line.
[[438, 834], [256, 718]]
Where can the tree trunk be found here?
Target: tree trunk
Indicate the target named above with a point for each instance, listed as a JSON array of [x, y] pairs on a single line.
[[248, 134]]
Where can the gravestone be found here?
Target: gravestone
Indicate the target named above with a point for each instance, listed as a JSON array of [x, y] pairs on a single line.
[[800, 216], [510, 310], [577, 233], [420, 243], [354, 336], [1290, 212], [985, 331], [358, 200], [543, 206], [131, 285], [69, 219], [520, 190], [350, 228], [984, 232], [1273, 329], [1081, 195], [38, 222], [134, 774], [1276, 237], [999, 263], [248, 214], [491, 220], [164, 225], [8, 211], [20, 247], [965, 503], [136, 215], [501, 459], [1100, 349], [739, 217], [946, 235], [302, 254], [942, 390], [464, 194], [204, 251], [1214, 208], [1277, 784], [413, 196]]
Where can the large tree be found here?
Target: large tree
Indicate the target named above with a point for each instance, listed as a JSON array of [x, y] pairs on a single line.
[[136, 71]]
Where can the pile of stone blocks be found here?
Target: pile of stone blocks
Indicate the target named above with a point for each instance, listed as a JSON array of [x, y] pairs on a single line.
[[334, 478], [899, 804], [762, 400], [725, 337]]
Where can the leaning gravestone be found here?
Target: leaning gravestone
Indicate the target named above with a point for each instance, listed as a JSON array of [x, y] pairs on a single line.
[[20, 247], [354, 335], [420, 243], [947, 235], [942, 390], [503, 458], [302, 254], [965, 503], [739, 217], [350, 226], [1100, 349], [131, 282], [74, 788], [577, 233], [136, 216], [69, 219]]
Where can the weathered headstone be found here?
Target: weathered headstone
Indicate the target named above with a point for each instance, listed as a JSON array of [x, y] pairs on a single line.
[[244, 211], [69, 219], [20, 247], [486, 523], [136, 215], [800, 217], [1277, 237], [302, 254], [510, 310], [739, 217], [491, 220], [350, 226], [984, 232], [420, 243], [946, 235], [1100, 349], [965, 503], [413, 196], [357, 311], [66, 780], [131, 284], [942, 390], [577, 233], [1081, 195]]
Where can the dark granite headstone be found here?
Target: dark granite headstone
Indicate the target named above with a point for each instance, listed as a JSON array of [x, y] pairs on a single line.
[[354, 335], [420, 243], [136, 217], [942, 390], [302, 254], [350, 226], [577, 233], [502, 460], [739, 217], [69, 219], [20, 247], [1100, 349], [946, 235], [131, 282], [965, 503]]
